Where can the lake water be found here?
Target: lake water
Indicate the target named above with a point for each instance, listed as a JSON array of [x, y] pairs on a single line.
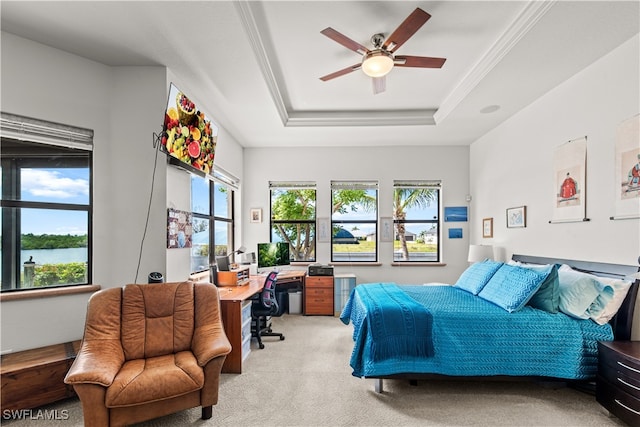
[[54, 256]]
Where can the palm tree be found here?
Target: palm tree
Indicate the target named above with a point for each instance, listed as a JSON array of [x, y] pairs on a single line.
[[405, 199]]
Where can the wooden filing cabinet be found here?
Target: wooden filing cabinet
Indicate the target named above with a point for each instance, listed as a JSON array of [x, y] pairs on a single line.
[[318, 295], [618, 379]]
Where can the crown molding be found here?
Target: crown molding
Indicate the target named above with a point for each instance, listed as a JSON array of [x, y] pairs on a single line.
[[530, 14], [248, 19], [253, 20], [361, 118]]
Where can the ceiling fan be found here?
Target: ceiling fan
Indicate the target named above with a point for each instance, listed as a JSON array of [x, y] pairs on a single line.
[[379, 61]]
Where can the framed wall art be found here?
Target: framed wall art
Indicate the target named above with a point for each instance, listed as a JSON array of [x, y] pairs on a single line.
[[386, 230], [324, 230], [569, 178], [179, 228], [627, 178], [517, 217], [256, 215], [487, 227]]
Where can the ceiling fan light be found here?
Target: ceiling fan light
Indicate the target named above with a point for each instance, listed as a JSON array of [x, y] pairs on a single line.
[[377, 63]]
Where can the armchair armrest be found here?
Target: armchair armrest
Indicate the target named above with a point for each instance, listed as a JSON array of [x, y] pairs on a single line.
[[209, 338], [210, 341], [98, 362]]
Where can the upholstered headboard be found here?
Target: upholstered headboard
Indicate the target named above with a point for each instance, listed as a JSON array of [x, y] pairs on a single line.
[[623, 320]]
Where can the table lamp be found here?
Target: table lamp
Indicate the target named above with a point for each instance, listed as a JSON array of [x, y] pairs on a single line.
[[479, 253]]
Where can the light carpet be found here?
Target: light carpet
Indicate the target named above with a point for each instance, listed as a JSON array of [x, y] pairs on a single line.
[[306, 380]]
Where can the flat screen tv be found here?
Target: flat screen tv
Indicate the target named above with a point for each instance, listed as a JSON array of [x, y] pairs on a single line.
[[273, 254], [188, 136]]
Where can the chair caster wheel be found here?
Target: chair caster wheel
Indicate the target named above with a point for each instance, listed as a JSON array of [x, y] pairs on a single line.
[[261, 346], [282, 338]]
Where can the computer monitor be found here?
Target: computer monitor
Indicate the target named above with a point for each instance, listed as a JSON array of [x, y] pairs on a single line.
[[222, 262], [272, 255]]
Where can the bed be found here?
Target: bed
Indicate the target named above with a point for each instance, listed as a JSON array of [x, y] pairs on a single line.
[[530, 317]]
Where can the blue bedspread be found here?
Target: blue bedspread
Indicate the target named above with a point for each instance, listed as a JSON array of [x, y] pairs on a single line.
[[473, 337], [397, 324]]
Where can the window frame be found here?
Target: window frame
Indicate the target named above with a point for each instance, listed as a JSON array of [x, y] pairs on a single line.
[[356, 185], [420, 184], [219, 178], [69, 142], [295, 185]]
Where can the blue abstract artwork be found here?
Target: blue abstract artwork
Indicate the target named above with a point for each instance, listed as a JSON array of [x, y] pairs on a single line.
[[455, 214], [455, 233]]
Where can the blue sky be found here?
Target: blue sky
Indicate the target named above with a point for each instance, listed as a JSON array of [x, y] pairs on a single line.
[[65, 185]]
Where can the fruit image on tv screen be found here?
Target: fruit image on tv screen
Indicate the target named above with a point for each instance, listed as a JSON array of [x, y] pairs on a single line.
[[188, 135]]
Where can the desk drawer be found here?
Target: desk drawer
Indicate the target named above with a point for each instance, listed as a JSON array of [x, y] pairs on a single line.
[[246, 311], [319, 282], [246, 329], [319, 301]]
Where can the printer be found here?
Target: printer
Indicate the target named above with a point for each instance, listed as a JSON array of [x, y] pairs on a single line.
[[319, 270]]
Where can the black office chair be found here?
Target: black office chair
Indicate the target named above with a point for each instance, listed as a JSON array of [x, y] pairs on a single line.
[[265, 306]]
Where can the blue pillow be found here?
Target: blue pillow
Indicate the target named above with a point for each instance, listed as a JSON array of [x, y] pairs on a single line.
[[548, 296], [477, 275], [511, 287]]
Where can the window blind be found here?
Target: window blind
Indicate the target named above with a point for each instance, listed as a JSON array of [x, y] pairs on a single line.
[[354, 185], [310, 185], [34, 130], [436, 183], [224, 177]]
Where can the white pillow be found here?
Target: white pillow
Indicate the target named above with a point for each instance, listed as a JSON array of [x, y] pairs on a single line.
[[581, 295], [620, 290]]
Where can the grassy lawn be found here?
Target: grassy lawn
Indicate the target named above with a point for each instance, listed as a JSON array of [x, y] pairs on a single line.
[[370, 247]]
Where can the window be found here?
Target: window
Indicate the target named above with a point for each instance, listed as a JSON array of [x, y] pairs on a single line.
[[213, 218], [416, 219], [293, 218], [354, 213], [46, 204]]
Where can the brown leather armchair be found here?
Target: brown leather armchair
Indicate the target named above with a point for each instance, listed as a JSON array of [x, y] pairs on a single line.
[[148, 351]]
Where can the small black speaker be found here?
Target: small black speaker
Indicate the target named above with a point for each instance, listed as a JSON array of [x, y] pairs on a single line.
[[156, 277]]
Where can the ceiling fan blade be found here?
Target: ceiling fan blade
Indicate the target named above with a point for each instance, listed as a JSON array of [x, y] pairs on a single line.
[[408, 28], [344, 41], [379, 84], [341, 72], [418, 61]]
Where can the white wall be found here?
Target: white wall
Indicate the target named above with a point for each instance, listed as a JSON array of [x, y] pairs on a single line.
[[512, 165], [123, 106], [451, 164]]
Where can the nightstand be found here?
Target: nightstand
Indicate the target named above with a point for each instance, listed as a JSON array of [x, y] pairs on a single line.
[[618, 379]]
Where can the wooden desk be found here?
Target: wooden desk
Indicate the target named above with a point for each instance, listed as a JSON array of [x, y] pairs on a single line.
[[232, 299]]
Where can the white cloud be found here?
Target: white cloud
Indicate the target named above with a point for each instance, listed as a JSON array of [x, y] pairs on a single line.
[[52, 184]]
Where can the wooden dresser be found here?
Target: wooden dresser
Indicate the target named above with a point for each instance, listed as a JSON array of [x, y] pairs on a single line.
[[618, 380], [318, 295]]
